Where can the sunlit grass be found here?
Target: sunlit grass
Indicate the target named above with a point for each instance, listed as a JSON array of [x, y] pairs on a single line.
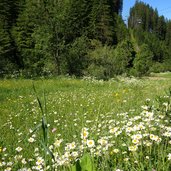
[[72, 104]]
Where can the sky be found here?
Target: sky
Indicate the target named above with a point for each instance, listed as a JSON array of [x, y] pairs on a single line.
[[163, 7]]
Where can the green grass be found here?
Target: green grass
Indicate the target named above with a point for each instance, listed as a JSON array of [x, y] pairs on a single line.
[[162, 75], [73, 104]]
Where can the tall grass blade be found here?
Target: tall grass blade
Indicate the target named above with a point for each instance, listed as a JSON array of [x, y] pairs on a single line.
[[47, 150]]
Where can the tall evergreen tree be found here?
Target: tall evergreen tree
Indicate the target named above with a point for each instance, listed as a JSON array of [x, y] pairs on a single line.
[[161, 27], [77, 19], [168, 34], [116, 6], [39, 35], [22, 33], [101, 22], [8, 16]]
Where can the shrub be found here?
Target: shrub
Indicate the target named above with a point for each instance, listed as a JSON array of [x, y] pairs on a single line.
[[143, 61]]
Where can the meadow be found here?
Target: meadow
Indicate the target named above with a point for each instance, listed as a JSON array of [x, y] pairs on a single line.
[[68, 124]]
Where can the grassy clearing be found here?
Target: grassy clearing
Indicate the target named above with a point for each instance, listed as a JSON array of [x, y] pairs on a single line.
[[161, 75], [101, 125]]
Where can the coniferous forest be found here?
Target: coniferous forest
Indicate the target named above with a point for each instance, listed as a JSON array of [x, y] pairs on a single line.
[[82, 38]]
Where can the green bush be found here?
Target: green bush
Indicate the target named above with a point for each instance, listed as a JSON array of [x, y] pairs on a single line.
[[123, 57], [106, 62], [76, 56], [157, 67], [143, 61]]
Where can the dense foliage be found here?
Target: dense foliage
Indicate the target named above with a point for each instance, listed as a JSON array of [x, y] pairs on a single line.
[[81, 37], [153, 30]]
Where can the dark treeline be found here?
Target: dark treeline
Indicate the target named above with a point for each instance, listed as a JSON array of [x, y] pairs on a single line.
[[82, 37]]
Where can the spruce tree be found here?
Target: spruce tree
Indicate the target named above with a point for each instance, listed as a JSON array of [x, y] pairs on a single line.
[[101, 22], [8, 15], [168, 34]]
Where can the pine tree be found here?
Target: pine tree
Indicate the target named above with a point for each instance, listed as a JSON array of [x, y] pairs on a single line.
[[22, 33], [161, 28], [168, 34], [116, 6], [101, 22], [154, 19], [8, 15], [39, 35]]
